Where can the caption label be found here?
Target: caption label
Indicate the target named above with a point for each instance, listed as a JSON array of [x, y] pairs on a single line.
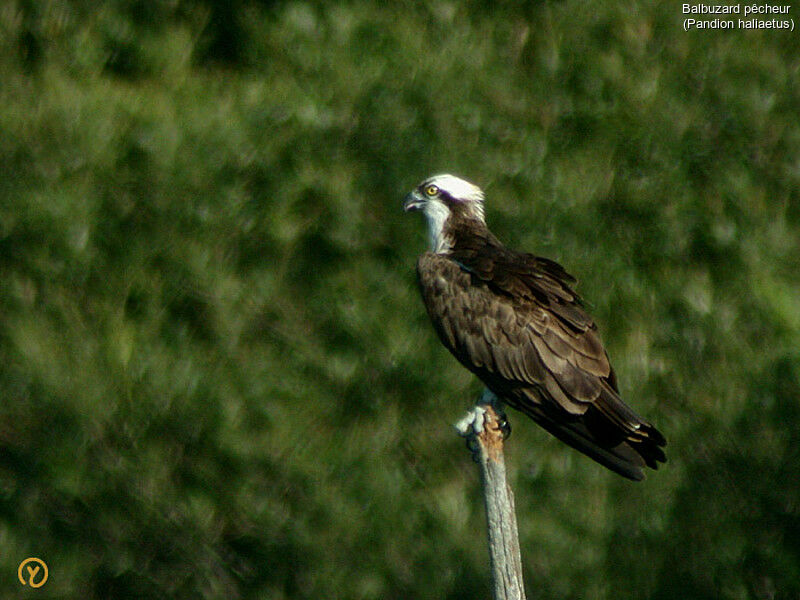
[[749, 16]]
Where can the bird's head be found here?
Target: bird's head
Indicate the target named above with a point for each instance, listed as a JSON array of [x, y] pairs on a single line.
[[442, 197]]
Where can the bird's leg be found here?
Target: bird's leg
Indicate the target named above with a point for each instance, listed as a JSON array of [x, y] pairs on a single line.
[[474, 448], [472, 424], [490, 398]]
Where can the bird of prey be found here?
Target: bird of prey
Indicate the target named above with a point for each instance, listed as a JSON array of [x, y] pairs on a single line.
[[513, 319]]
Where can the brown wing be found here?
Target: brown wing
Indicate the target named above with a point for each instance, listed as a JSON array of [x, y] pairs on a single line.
[[514, 321]]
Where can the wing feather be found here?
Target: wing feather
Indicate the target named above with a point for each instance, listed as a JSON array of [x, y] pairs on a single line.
[[518, 325], [520, 342]]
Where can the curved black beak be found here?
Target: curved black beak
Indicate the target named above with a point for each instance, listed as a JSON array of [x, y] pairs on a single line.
[[413, 201]]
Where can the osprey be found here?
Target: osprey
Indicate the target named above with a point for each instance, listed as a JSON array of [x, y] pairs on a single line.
[[513, 319]]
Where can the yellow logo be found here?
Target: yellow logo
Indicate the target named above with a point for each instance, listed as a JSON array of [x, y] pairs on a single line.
[[32, 572]]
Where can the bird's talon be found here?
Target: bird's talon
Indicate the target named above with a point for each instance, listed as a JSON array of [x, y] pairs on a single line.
[[504, 426]]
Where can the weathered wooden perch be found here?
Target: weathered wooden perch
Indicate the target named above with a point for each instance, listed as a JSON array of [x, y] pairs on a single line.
[[481, 427]]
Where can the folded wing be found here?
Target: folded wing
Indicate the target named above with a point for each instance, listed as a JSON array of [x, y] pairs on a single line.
[[514, 321]]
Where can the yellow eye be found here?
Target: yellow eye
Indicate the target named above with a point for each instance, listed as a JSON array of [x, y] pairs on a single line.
[[431, 190]]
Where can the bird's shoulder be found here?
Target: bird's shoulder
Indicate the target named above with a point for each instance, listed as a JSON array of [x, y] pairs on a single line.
[[524, 326], [530, 283]]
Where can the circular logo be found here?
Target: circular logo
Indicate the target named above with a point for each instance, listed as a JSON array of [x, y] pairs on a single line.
[[33, 572]]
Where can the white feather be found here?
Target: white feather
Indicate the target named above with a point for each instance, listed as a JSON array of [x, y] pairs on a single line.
[[457, 188], [437, 214]]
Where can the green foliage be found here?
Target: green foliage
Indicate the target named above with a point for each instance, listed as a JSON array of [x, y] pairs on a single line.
[[218, 378]]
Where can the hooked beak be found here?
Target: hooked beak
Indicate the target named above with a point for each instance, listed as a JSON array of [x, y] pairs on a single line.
[[413, 201]]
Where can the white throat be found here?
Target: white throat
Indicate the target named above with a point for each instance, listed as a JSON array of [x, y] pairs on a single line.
[[437, 214]]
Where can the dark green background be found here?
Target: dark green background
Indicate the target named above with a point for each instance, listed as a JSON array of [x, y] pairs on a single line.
[[218, 380]]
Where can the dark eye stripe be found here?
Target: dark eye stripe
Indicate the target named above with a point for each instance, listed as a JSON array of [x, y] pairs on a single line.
[[446, 196]]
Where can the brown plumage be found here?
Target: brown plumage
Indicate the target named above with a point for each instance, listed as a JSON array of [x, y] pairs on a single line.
[[513, 319]]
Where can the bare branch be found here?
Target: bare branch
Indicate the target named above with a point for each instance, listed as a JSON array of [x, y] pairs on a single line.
[[482, 428]]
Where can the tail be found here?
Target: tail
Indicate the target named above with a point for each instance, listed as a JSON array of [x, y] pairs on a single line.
[[627, 457], [609, 432]]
